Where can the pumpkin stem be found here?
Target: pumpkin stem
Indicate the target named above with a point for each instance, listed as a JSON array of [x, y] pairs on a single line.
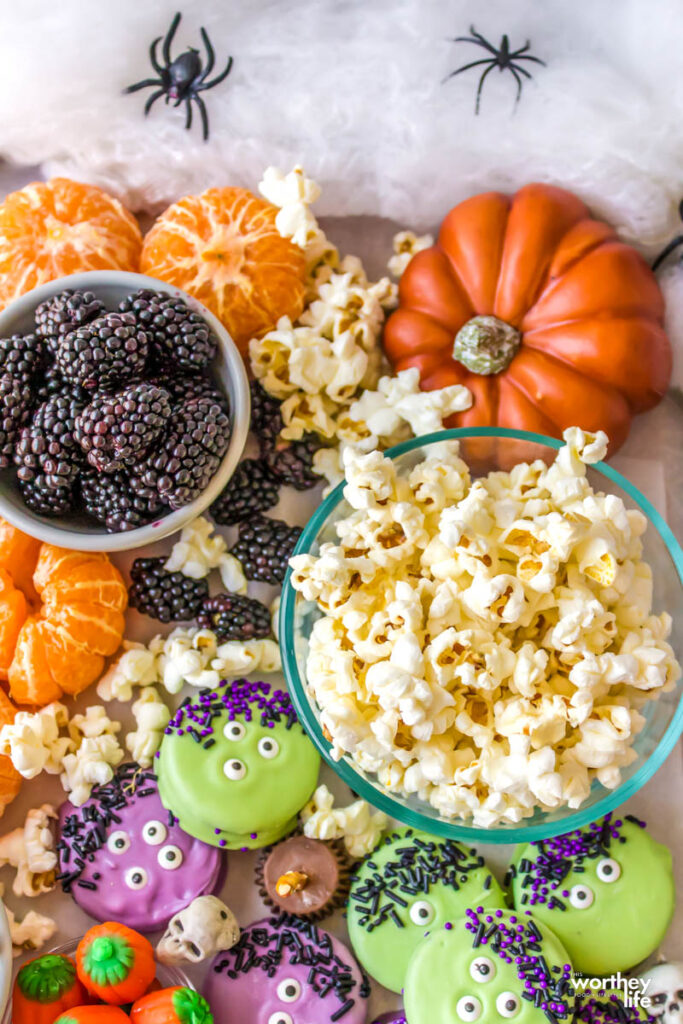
[[486, 345]]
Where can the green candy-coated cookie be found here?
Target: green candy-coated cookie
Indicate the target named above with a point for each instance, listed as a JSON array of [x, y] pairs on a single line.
[[615, 886], [242, 784], [413, 883], [459, 976]]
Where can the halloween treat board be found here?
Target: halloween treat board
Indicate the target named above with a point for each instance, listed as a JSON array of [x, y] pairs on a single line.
[[132, 837]]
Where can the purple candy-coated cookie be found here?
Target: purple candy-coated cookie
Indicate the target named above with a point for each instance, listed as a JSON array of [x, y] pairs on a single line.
[[392, 1017], [123, 857], [284, 970]]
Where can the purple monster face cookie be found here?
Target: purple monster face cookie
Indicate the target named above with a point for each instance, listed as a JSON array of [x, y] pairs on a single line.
[[123, 857], [284, 970]]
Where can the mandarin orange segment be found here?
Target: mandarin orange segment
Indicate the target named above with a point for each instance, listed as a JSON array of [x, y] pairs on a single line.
[[18, 556], [57, 563], [73, 665], [30, 678], [57, 227], [10, 779], [90, 625], [224, 249], [13, 612], [99, 584]]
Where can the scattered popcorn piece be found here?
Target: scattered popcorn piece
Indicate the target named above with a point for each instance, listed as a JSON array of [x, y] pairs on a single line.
[[151, 716], [31, 851], [33, 741], [405, 245], [95, 722], [232, 574], [358, 825], [399, 400], [198, 551], [92, 764], [31, 933], [137, 666]]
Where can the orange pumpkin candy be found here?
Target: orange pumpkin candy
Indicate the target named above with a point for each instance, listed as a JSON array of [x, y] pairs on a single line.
[[176, 1005], [115, 963], [573, 318], [94, 1015]]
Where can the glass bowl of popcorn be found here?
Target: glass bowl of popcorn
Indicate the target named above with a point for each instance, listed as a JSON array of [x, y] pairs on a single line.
[[481, 631]]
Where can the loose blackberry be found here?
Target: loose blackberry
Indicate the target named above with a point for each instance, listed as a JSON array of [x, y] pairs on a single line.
[[293, 465], [45, 500], [22, 356], [264, 547], [57, 316], [112, 500], [167, 596], [234, 617], [188, 455], [179, 337], [115, 430], [46, 447], [15, 405], [251, 489], [266, 418], [108, 351]]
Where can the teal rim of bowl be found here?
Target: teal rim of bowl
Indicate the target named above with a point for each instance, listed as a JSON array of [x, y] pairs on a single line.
[[392, 805]]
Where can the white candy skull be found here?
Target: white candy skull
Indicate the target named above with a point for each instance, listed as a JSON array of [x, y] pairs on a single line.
[[665, 992], [197, 932]]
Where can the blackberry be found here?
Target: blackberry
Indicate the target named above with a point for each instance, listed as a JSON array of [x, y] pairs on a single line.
[[112, 500], [264, 547], [179, 337], [46, 500], [191, 385], [22, 356], [15, 405], [167, 596], [251, 489], [188, 455], [108, 351], [47, 448], [51, 383], [114, 430], [59, 315], [266, 418], [234, 617], [293, 465]]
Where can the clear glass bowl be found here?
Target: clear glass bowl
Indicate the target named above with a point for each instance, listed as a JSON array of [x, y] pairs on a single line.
[[166, 976], [487, 448]]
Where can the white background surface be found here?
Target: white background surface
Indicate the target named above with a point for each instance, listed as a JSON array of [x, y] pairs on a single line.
[[651, 459]]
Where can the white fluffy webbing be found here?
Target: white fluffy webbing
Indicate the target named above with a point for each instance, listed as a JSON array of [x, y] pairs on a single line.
[[354, 90]]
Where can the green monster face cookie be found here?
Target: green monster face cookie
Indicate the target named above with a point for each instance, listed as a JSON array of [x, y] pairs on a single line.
[[236, 767], [607, 891], [490, 966], [412, 884]]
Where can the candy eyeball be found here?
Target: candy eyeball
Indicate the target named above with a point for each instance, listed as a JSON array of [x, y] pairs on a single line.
[[280, 1017], [154, 833], [268, 747], [422, 912], [289, 990], [508, 1004], [608, 870], [581, 897], [234, 731], [136, 878], [468, 1009], [118, 842], [170, 858], [482, 969], [235, 769]]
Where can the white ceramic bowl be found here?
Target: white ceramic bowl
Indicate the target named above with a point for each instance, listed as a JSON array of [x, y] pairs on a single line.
[[79, 531]]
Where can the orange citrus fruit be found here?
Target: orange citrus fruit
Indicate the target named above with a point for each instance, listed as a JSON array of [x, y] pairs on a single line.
[[18, 557], [57, 227], [13, 612], [224, 249], [10, 779]]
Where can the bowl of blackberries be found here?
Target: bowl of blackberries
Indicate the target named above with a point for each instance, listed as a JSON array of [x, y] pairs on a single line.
[[124, 410]]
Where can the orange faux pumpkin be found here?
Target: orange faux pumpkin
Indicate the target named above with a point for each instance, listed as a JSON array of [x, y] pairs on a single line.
[[172, 1006], [115, 963], [578, 335]]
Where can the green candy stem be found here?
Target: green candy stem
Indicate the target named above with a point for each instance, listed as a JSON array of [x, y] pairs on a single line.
[[486, 345], [191, 1008], [46, 979], [109, 959]]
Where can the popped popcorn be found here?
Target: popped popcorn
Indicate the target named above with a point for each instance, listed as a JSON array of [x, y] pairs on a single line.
[[488, 645], [29, 934], [137, 666], [198, 551], [398, 400], [33, 741], [95, 722], [358, 824], [405, 245], [151, 717], [31, 851], [92, 764]]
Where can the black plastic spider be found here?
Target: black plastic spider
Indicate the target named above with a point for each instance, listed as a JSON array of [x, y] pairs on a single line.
[[184, 78], [674, 244], [504, 59]]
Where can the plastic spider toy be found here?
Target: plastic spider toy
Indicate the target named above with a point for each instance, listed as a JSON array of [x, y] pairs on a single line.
[[504, 59], [674, 244], [183, 78]]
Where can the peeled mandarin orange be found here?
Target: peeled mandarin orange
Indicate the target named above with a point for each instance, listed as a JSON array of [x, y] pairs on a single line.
[[18, 556], [57, 227], [57, 564], [89, 625], [100, 584], [10, 779], [30, 678], [13, 612], [73, 666], [224, 249]]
